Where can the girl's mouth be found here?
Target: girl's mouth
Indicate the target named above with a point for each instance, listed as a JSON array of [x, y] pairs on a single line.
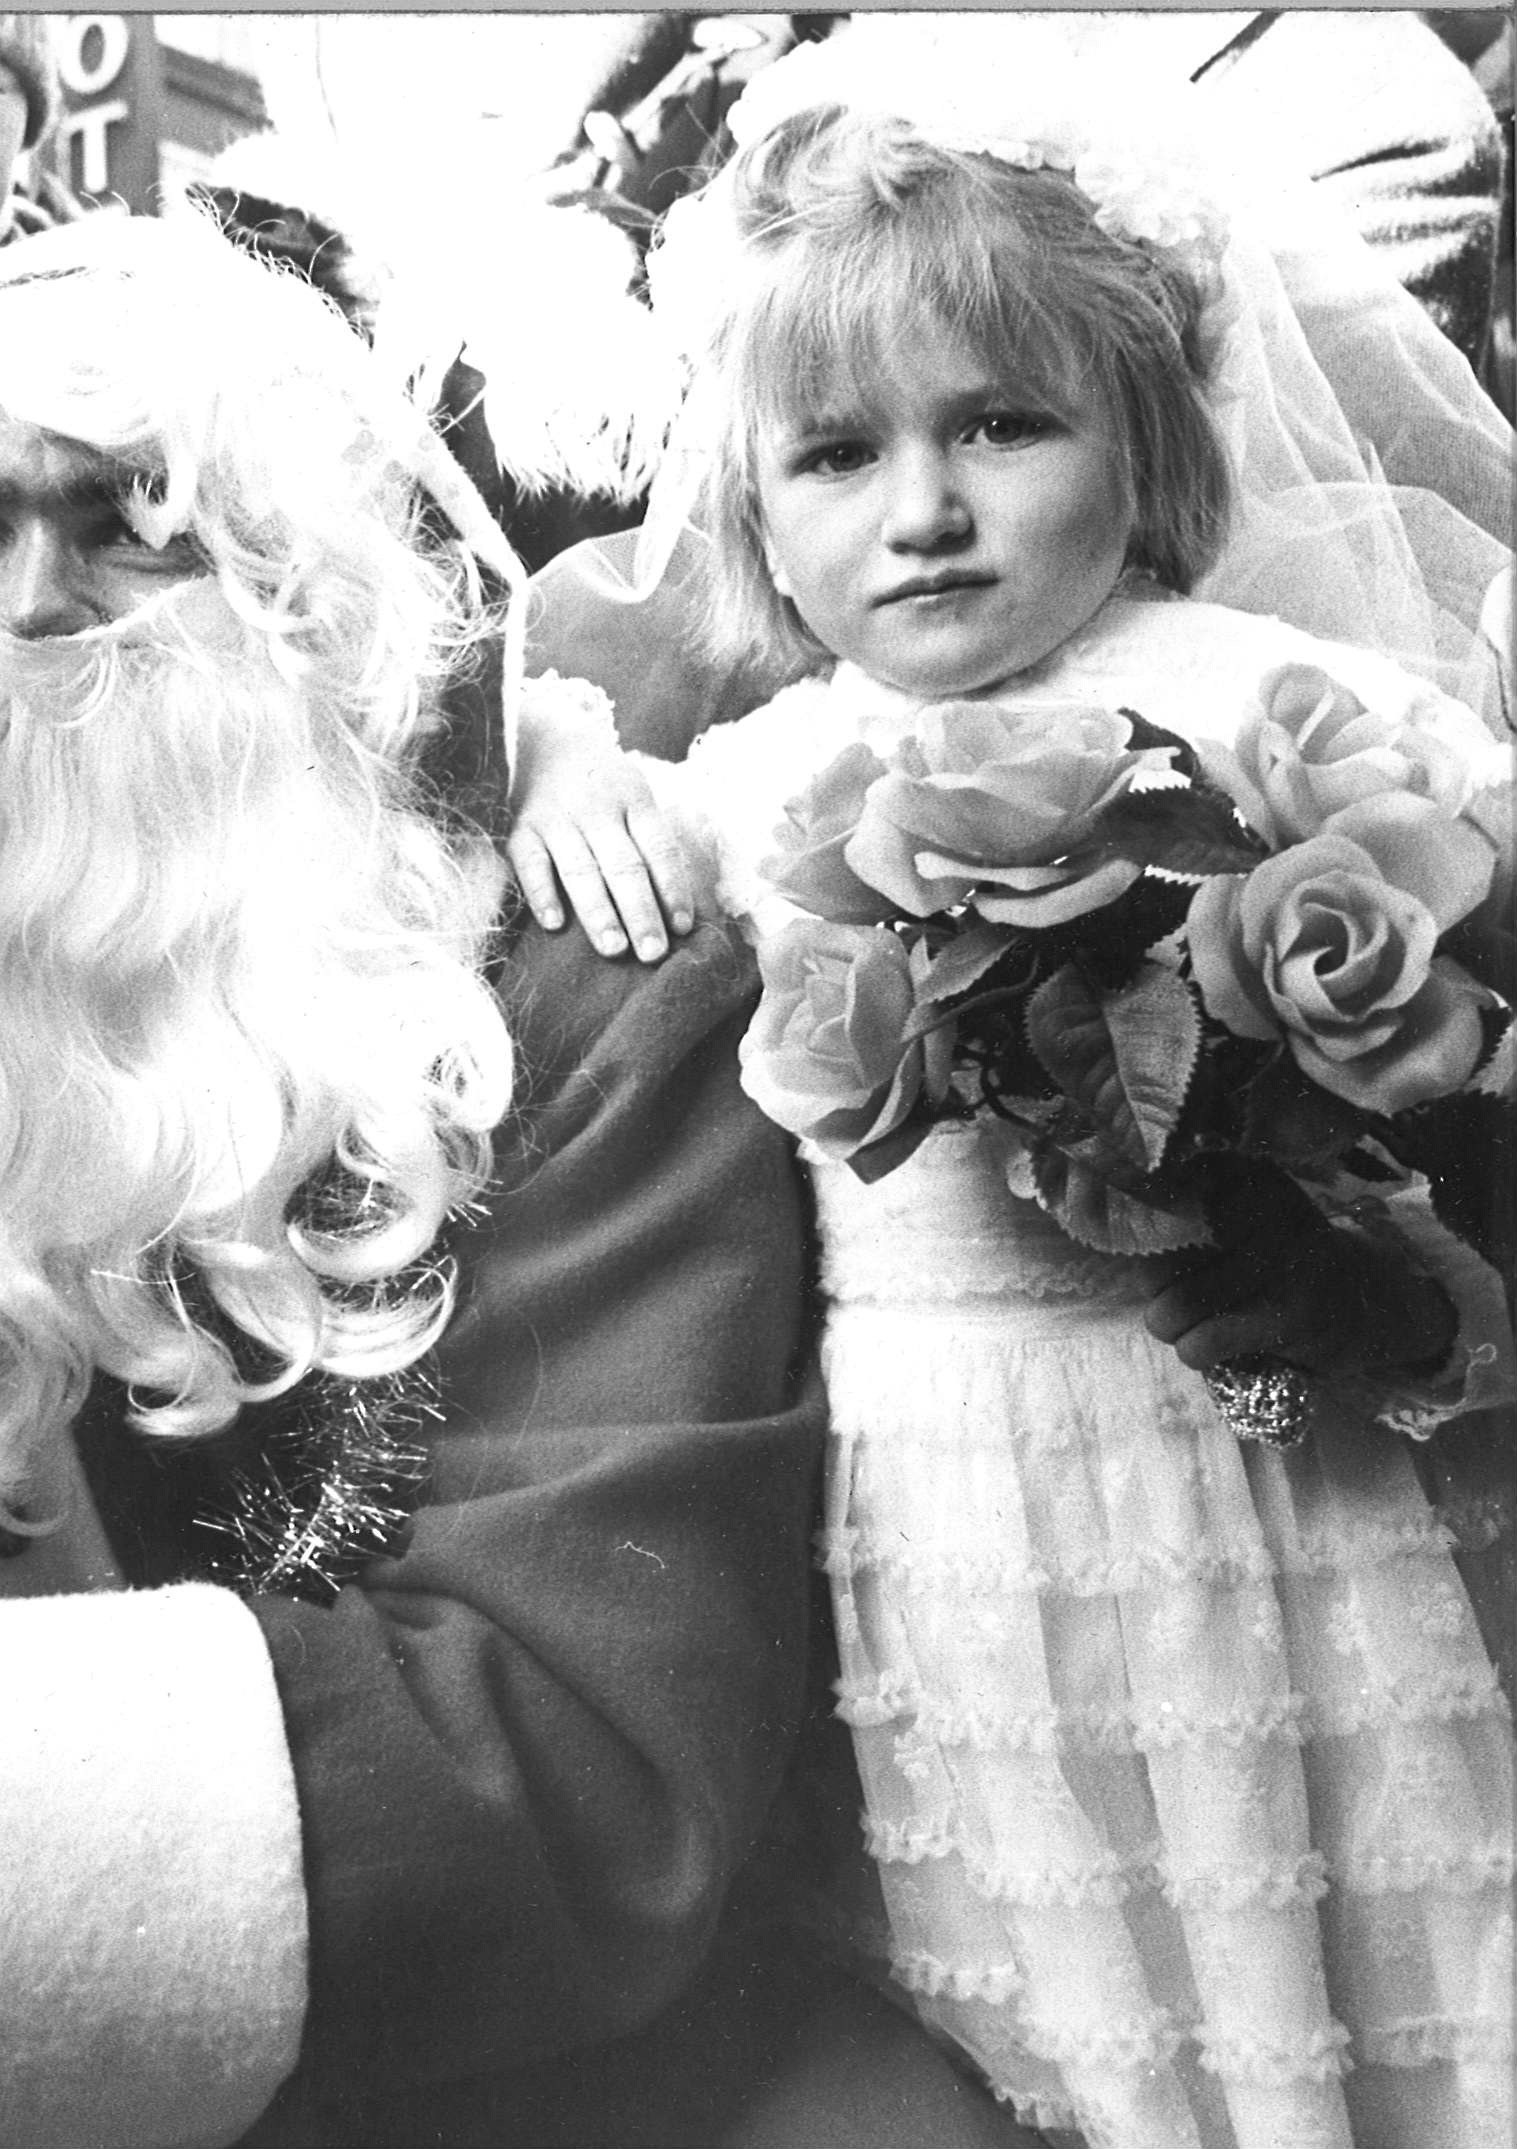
[[925, 588]]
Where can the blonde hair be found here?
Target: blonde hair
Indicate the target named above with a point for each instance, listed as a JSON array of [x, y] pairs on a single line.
[[245, 414], [845, 229], [250, 1062]]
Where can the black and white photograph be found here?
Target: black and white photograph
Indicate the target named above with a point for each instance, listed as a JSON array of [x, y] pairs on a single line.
[[758, 1080]]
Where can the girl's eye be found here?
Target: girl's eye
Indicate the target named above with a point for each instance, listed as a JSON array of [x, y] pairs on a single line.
[[836, 458], [1008, 428]]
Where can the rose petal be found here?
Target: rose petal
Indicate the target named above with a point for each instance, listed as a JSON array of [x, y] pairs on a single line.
[[1057, 905], [824, 1055], [1434, 1051], [1445, 863], [1230, 984]]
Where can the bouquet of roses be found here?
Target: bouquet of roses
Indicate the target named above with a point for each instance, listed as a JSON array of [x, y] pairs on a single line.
[[1155, 962]]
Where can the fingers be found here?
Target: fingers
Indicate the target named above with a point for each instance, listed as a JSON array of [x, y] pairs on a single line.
[[1247, 1301], [600, 876], [600, 869], [1222, 1284], [668, 868], [535, 877], [1323, 1299], [633, 905], [1235, 1335]]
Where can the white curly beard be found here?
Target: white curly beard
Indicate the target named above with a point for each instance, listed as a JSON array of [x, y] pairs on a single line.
[[228, 951]]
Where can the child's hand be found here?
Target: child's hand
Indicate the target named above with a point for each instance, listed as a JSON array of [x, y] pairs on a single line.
[[587, 830], [597, 835], [1322, 1299]]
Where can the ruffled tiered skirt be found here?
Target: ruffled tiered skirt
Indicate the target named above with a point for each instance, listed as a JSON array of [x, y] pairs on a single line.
[[1185, 1769]]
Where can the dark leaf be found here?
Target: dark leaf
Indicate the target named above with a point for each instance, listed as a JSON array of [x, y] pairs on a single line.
[[966, 959], [1467, 1148], [994, 1042], [1288, 1117], [1146, 735], [1102, 1215], [1363, 1162], [1126, 1057], [1488, 951], [1248, 1200], [1112, 942], [1196, 832], [882, 1157], [1495, 1021], [1186, 762]]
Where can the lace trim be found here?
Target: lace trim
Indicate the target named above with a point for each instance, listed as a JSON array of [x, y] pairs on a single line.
[[1433, 2040], [1490, 1865], [1446, 1698], [846, 1550], [1335, 1551], [1478, 1373], [1320, 2057], [1245, 1886], [1030, 2111], [1095, 1729], [1451, 1697], [1001, 1278], [1147, 2040], [1108, 1880], [935, 1979], [1105, 1881], [1420, 1417], [1111, 1881], [908, 1842], [1478, 1520], [1144, 2040]]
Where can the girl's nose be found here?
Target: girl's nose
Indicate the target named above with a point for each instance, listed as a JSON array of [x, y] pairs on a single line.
[[43, 584], [925, 506]]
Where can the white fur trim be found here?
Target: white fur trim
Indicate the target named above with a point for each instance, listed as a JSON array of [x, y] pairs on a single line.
[[152, 1906]]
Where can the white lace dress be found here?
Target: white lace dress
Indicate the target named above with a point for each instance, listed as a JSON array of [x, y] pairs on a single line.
[[1186, 1771]]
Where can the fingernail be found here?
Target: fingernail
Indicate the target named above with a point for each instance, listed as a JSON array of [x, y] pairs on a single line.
[[553, 919], [650, 948], [611, 943], [682, 921]]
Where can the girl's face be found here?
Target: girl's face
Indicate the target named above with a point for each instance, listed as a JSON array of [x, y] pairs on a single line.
[[945, 532]]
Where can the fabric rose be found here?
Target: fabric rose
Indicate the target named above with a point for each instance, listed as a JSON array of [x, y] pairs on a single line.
[[1000, 808], [1332, 946], [824, 1056], [809, 868], [1310, 748]]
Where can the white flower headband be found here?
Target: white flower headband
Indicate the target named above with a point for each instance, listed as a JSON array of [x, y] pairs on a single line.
[[1137, 158]]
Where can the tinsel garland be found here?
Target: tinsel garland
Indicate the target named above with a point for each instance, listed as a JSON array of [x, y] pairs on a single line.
[[337, 1482]]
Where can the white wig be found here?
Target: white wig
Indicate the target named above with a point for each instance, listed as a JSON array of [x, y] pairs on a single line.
[[250, 1063]]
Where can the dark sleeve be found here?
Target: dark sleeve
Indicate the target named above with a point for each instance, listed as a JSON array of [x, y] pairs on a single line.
[[532, 1751]]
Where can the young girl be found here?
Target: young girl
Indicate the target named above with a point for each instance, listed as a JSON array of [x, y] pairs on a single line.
[[1186, 1770]]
